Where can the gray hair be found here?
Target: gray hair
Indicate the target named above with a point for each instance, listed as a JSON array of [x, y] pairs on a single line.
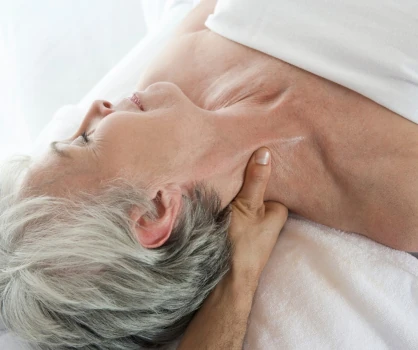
[[73, 276]]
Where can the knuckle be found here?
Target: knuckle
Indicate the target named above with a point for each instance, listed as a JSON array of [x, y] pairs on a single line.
[[279, 210], [247, 207], [282, 210]]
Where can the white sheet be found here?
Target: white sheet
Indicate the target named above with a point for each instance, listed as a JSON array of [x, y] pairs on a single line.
[[327, 289], [368, 46], [322, 288]]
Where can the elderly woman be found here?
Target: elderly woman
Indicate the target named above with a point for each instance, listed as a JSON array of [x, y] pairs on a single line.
[[116, 236]]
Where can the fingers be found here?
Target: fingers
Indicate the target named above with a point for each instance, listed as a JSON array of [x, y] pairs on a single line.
[[256, 179]]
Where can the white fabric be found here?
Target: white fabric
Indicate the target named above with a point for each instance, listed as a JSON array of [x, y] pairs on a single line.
[[322, 288], [327, 289], [369, 46]]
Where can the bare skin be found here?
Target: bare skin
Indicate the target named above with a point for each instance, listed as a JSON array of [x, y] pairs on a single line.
[[339, 158], [254, 230]]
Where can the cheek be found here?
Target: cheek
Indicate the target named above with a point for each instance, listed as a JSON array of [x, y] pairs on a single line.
[[115, 133], [109, 142], [132, 140], [120, 145]]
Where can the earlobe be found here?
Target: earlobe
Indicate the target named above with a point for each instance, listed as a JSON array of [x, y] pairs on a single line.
[[154, 233]]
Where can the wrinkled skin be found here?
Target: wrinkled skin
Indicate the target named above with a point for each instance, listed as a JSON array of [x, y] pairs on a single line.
[[339, 158]]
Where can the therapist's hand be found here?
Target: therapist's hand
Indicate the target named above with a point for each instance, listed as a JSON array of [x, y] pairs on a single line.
[[255, 224], [221, 322]]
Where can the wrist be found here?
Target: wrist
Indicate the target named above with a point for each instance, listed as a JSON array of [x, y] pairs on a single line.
[[240, 288], [242, 275]]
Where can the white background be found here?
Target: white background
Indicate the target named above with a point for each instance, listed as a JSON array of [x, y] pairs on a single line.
[[53, 52]]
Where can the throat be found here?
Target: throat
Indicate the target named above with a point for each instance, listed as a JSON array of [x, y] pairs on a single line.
[[236, 86], [225, 92]]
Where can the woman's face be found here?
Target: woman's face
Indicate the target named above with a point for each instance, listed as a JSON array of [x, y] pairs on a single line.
[[152, 141]]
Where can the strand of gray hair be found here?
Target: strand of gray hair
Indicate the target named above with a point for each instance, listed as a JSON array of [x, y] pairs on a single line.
[[73, 276]]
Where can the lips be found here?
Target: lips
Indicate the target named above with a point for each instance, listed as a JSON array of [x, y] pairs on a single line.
[[135, 99]]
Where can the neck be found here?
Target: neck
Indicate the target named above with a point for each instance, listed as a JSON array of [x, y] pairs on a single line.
[[325, 165], [239, 128]]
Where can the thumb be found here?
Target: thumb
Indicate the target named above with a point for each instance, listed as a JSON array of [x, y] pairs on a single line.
[[256, 179]]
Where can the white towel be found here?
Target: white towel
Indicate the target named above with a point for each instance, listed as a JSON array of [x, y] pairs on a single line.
[[327, 289]]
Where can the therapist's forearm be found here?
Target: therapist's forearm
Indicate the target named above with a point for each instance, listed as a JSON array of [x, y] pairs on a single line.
[[221, 322]]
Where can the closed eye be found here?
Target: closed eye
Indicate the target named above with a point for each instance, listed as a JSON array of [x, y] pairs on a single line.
[[85, 137]]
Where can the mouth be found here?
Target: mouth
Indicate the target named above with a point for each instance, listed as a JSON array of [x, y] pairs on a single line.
[[135, 99]]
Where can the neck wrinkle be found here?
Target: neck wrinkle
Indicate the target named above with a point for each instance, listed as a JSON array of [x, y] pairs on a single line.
[[241, 128]]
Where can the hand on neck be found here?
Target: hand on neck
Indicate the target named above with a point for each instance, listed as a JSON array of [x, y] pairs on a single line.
[[231, 135]]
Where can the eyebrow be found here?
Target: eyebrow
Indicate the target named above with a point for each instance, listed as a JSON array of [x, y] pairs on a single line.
[[58, 151]]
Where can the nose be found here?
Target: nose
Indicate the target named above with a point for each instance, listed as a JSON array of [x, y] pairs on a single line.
[[102, 108]]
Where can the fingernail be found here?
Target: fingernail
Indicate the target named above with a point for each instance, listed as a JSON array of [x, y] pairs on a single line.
[[262, 156]]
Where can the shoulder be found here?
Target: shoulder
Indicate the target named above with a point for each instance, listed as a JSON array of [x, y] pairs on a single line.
[[195, 20]]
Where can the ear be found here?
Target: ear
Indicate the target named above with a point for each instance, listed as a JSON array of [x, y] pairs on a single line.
[[153, 234]]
